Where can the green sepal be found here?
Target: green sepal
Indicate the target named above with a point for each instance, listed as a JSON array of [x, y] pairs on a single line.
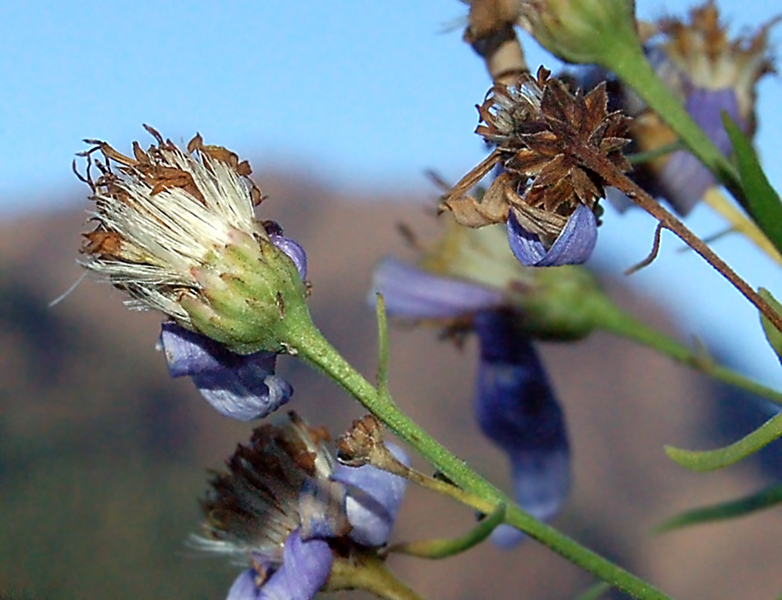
[[444, 548], [733, 509], [761, 201], [773, 335], [711, 460]]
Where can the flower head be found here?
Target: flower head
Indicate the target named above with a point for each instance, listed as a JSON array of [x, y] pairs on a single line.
[[710, 73], [547, 193], [580, 31], [288, 511], [176, 230]]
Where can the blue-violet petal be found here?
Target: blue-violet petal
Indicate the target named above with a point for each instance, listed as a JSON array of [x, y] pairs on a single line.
[[417, 294], [373, 500], [573, 246], [305, 568], [242, 387], [294, 251], [517, 410]]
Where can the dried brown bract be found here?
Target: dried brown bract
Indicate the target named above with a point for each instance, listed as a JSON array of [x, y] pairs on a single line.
[[545, 135], [160, 211]]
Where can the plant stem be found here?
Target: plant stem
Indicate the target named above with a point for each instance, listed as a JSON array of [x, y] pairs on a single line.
[[371, 574], [609, 317], [591, 158], [308, 343]]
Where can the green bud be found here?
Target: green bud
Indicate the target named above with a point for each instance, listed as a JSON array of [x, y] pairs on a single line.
[[582, 31]]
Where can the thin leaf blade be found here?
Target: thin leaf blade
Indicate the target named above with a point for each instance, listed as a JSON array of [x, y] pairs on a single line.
[[761, 201], [711, 460], [723, 511]]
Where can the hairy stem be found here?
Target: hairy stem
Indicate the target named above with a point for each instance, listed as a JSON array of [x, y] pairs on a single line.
[[308, 343]]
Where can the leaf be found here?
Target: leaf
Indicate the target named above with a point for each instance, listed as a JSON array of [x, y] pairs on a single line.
[[761, 201], [711, 460], [771, 496], [773, 335]]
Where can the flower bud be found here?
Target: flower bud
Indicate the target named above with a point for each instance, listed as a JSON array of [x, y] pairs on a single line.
[[580, 31]]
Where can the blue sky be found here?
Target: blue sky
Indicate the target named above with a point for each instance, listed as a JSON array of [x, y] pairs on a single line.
[[365, 95]]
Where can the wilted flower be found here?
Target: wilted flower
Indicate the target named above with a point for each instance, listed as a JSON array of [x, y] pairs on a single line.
[[176, 231], [288, 511], [547, 193], [709, 73]]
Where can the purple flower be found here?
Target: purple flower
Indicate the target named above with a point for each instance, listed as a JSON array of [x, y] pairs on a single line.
[[680, 178], [283, 500], [242, 387], [573, 246], [305, 568], [517, 410], [417, 294], [373, 500], [514, 403]]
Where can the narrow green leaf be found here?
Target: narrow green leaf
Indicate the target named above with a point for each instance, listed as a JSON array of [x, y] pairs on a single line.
[[382, 343], [711, 460], [773, 335], [771, 496], [443, 548], [761, 200]]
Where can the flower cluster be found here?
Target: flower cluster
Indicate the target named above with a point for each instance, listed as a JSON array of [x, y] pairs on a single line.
[[176, 231], [546, 193]]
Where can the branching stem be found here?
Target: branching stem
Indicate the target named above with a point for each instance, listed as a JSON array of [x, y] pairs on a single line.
[[595, 161]]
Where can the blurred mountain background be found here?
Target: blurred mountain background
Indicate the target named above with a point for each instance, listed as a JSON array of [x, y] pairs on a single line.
[[103, 457]]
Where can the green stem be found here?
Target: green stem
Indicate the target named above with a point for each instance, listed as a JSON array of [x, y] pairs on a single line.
[[609, 317], [307, 342], [371, 574], [632, 67]]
